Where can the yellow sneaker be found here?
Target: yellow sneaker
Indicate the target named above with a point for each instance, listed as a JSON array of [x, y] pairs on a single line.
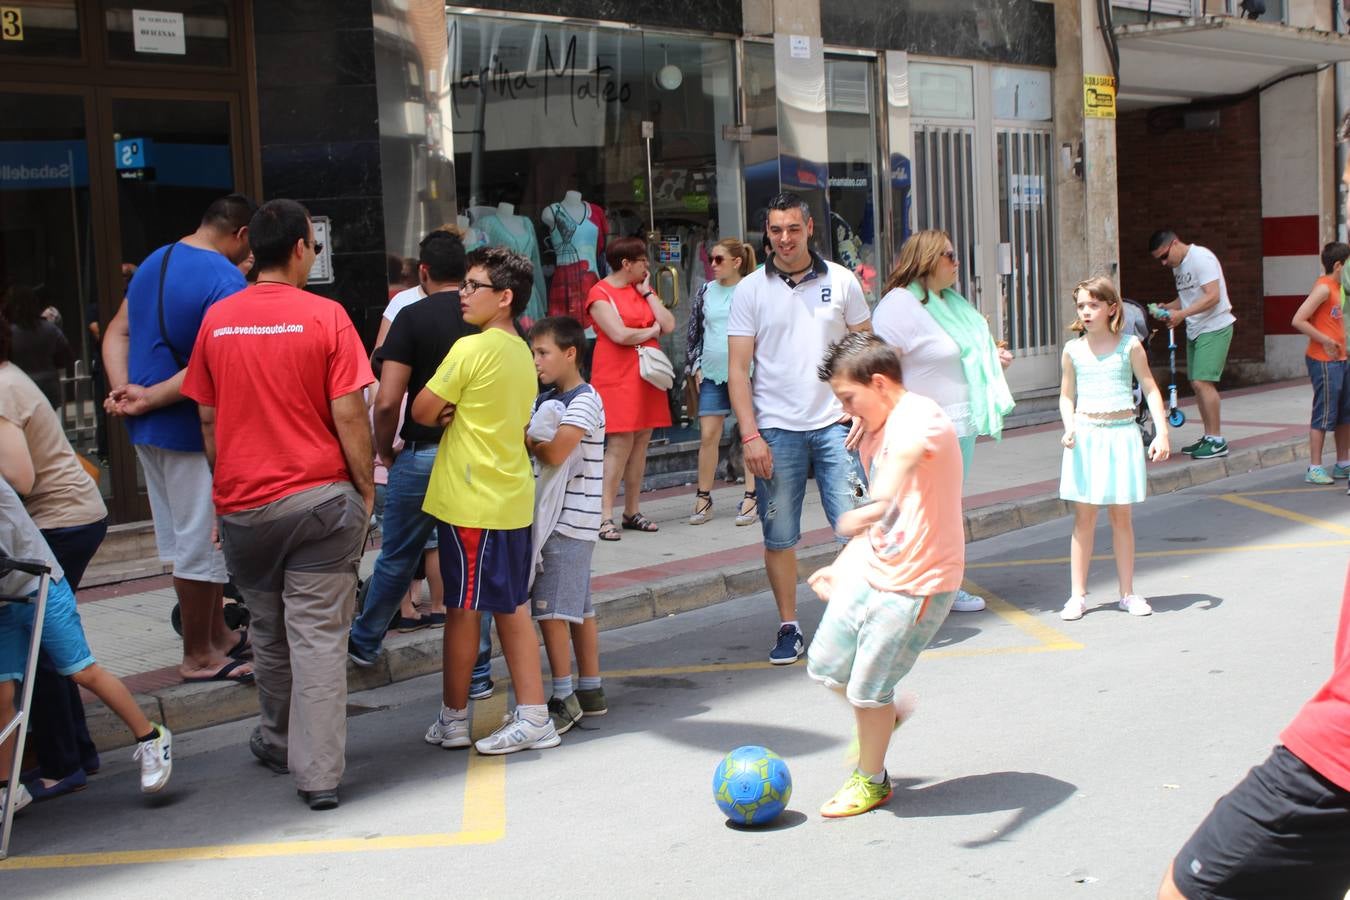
[[857, 796]]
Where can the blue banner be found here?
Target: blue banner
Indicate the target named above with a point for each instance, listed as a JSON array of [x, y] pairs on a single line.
[[30, 165]]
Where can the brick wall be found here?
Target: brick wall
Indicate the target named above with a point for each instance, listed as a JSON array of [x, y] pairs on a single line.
[[1206, 186]]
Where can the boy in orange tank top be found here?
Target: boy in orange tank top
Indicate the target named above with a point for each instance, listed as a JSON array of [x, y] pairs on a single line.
[[1322, 318]]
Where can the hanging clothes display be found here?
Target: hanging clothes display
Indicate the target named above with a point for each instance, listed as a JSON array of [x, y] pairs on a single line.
[[577, 246], [518, 235]]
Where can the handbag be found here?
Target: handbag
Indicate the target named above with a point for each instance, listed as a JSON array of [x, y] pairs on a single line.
[[654, 366], [691, 389]]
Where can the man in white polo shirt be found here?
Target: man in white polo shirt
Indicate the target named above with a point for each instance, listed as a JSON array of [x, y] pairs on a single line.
[[783, 317]]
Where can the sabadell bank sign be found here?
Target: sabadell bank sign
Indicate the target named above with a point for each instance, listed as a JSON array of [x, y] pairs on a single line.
[[34, 165]]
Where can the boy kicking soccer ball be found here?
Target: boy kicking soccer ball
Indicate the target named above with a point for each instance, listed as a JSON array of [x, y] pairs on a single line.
[[893, 585]]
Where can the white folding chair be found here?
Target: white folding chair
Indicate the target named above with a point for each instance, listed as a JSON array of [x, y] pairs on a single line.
[[19, 724]]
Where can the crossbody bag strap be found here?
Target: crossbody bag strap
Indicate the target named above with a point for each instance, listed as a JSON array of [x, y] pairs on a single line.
[[163, 332]]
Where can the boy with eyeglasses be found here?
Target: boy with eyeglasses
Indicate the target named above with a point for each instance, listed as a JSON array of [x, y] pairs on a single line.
[[481, 492]]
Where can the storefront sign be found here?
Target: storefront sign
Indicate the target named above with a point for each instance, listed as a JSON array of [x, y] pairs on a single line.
[[29, 165], [1099, 96], [563, 74], [799, 46], [11, 23], [322, 270], [132, 153], [154, 31], [669, 249]]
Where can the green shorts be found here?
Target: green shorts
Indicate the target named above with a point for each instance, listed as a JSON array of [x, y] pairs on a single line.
[[1206, 355]]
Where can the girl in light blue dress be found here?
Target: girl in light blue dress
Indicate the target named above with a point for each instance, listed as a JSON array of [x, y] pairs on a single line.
[[1103, 452]]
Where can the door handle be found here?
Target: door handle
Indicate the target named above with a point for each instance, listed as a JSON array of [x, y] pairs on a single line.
[[671, 298]]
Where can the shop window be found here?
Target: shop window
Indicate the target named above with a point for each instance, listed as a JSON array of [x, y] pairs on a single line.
[[941, 91], [851, 124], [36, 30], [1022, 94], [564, 135], [170, 32]]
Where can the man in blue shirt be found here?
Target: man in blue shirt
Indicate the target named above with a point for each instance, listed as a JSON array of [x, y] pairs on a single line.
[[145, 355]]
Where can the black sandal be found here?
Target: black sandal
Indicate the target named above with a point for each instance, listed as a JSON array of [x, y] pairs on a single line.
[[702, 508], [639, 522], [609, 531]]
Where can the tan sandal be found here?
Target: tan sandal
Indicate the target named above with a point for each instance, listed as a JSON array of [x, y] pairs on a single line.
[[748, 514]]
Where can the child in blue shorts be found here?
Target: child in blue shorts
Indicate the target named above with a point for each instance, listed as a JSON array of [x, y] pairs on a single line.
[[566, 437], [63, 639], [891, 588]]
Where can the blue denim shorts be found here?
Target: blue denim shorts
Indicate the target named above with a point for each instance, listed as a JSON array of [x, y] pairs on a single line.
[[838, 478], [62, 634], [1331, 394], [713, 399]]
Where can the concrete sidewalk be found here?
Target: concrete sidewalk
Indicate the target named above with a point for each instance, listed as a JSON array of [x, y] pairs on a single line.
[[1013, 484]]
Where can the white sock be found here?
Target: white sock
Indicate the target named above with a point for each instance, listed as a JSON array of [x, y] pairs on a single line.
[[879, 778], [449, 715], [588, 682], [794, 623], [1343, 463], [535, 713]]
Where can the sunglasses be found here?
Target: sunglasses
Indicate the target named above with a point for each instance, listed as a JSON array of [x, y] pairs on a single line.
[[318, 247], [949, 255], [718, 259], [1166, 252]]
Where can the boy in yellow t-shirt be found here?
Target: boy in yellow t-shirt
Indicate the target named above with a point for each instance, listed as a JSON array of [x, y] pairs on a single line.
[[482, 494]]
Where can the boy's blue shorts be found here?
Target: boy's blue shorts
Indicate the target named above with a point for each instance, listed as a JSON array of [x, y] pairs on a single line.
[[62, 634], [1331, 394]]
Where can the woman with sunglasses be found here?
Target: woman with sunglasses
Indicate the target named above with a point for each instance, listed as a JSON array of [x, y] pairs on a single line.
[[946, 351], [706, 362]]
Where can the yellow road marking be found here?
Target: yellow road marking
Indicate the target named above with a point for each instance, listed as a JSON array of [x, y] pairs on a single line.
[[1239, 500], [1291, 490], [1050, 638], [484, 822], [1153, 554]]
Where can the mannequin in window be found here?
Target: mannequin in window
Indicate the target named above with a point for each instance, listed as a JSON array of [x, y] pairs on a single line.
[[514, 232], [473, 237], [577, 231]]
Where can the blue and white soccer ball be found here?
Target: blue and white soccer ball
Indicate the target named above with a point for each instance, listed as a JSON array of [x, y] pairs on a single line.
[[752, 785]]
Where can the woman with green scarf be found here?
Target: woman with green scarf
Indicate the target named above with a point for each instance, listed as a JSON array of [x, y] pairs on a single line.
[[946, 351]]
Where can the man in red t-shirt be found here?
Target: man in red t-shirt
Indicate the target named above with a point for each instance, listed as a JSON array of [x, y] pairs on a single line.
[[1284, 831], [278, 374]]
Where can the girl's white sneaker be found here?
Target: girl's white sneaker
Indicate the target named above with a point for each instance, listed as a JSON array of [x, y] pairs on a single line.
[[1135, 605], [1074, 609]]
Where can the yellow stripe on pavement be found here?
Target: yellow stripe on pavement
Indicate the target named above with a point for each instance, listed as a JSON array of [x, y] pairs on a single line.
[[1050, 638], [1239, 500], [484, 822], [1154, 554]]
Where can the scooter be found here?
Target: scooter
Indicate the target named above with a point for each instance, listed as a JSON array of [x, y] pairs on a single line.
[[1175, 417]]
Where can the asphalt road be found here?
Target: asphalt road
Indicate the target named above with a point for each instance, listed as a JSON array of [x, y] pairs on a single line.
[[1047, 759]]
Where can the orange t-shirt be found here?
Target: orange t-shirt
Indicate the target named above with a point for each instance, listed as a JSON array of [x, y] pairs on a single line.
[[919, 546], [1329, 319]]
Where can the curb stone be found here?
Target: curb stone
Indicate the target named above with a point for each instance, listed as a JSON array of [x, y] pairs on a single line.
[[185, 707]]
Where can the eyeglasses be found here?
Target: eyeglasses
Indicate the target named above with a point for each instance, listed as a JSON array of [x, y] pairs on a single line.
[[718, 259], [1166, 252], [949, 255], [470, 286]]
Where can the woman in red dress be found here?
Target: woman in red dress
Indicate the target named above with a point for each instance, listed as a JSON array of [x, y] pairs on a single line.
[[626, 312]]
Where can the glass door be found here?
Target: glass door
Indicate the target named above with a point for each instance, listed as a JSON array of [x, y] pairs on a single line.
[[47, 256], [171, 155]]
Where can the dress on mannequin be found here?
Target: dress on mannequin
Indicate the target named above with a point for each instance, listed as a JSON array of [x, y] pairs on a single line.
[[473, 237], [578, 233], [506, 229]]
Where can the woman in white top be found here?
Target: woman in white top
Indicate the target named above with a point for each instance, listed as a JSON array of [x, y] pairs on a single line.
[[946, 351], [706, 362]]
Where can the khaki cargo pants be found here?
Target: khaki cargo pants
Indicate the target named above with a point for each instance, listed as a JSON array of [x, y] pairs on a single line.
[[295, 562]]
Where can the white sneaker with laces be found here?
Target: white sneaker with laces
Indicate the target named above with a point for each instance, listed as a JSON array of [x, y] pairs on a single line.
[[156, 759], [967, 602], [518, 733], [1135, 605], [21, 798], [450, 735], [1074, 609]]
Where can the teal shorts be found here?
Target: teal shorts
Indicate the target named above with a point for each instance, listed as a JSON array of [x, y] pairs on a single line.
[[868, 639], [1207, 354]]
